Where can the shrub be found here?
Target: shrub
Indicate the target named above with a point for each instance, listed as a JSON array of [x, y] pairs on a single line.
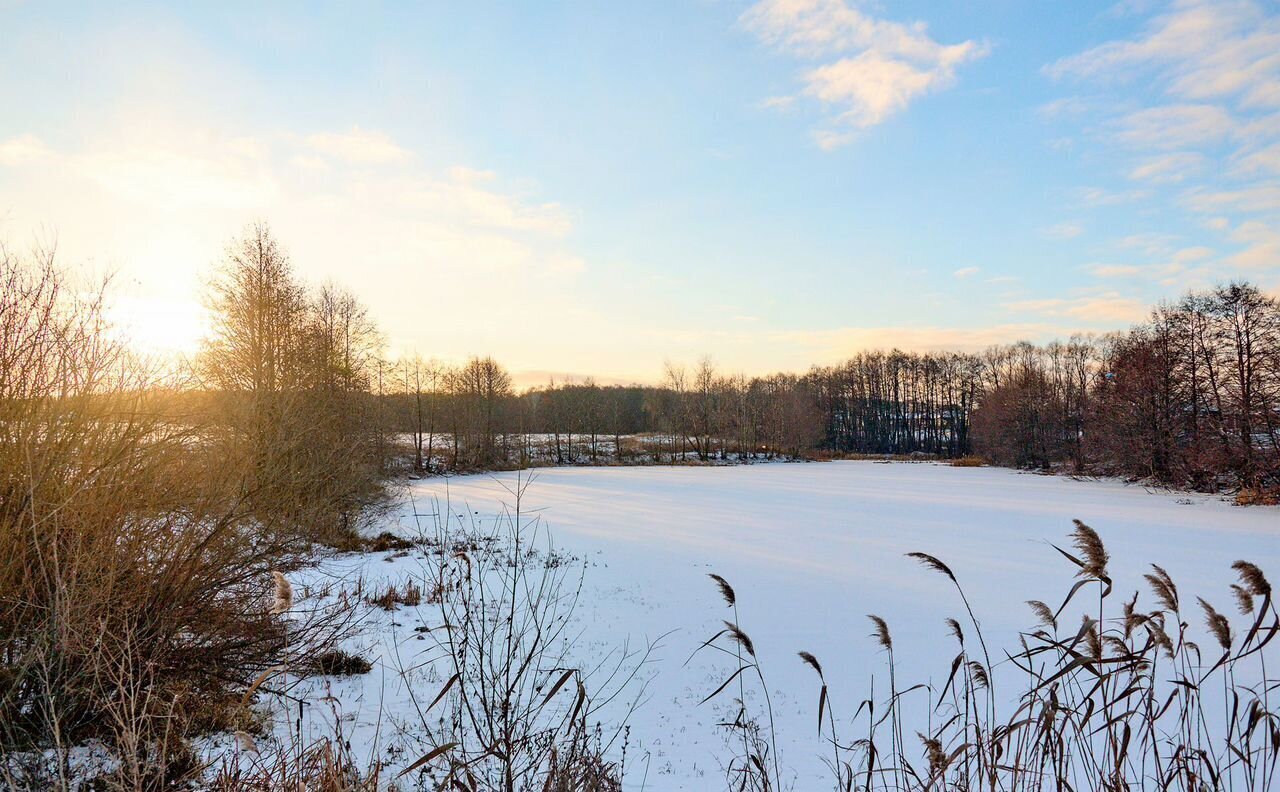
[[1256, 496], [134, 588]]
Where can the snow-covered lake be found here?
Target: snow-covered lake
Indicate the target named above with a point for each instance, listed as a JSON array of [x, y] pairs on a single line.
[[811, 549]]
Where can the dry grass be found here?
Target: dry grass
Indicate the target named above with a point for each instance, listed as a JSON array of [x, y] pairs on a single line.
[[1256, 496], [970, 461], [408, 594], [1128, 700]]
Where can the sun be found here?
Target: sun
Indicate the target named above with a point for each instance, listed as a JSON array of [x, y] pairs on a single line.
[[158, 327]]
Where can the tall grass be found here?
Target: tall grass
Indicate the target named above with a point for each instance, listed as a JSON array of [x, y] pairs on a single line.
[[516, 711], [1127, 699]]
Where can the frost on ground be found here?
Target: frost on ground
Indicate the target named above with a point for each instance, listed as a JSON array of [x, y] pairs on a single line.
[[810, 549]]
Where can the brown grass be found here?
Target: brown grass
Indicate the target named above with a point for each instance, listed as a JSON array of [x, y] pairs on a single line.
[[1128, 700], [1257, 496]]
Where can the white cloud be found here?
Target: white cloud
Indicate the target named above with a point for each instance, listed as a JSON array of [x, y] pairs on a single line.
[[1169, 168], [1261, 243], [22, 150], [777, 103], [1116, 270], [1207, 49], [870, 87], [874, 68], [839, 343], [1176, 126], [358, 146], [965, 272], [1063, 231], [1261, 161], [1216, 128], [1066, 106], [1098, 196], [1105, 308], [1261, 197]]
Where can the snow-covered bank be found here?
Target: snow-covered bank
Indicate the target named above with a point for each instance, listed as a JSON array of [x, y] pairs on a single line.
[[810, 549]]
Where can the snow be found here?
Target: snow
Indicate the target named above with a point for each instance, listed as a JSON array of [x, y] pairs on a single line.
[[810, 549]]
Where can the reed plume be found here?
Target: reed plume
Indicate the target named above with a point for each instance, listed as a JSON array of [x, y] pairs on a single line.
[[1253, 578], [1044, 613], [1244, 598], [283, 594], [933, 563], [882, 631], [1217, 624], [812, 662], [741, 638], [726, 590], [1093, 554], [1162, 586]]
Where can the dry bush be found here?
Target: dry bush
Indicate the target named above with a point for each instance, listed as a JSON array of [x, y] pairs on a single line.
[[969, 461], [134, 587], [1256, 496]]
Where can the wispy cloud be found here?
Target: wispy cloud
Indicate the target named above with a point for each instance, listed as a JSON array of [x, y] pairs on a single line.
[[1063, 231], [1213, 49], [1169, 168], [1099, 196], [22, 150], [1107, 308], [965, 272], [358, 146], [1214, 129], [164, 199], [1176, 126], [868, 68]]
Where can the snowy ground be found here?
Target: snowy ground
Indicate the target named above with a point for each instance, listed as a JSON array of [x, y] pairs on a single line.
[[811, 549]]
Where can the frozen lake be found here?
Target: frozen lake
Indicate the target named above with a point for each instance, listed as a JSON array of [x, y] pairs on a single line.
[[811, 550]]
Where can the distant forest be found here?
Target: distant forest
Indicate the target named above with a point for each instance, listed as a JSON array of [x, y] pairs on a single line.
[[1190, 397]]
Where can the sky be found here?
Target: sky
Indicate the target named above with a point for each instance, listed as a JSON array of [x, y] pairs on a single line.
[[597, 188]]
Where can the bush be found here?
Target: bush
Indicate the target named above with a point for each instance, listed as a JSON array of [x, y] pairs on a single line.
[[1257, 496], [134, 588]]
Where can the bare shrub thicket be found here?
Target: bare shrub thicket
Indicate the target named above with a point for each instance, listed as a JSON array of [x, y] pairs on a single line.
[[1100, 695], [135, 587]]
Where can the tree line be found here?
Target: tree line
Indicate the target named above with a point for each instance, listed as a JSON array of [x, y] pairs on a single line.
[[1190, 396]]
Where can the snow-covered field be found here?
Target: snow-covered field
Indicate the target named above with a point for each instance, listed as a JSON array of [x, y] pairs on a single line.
[[811, 549]]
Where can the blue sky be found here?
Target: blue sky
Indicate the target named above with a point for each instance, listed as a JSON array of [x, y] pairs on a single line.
[[594, 188]]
